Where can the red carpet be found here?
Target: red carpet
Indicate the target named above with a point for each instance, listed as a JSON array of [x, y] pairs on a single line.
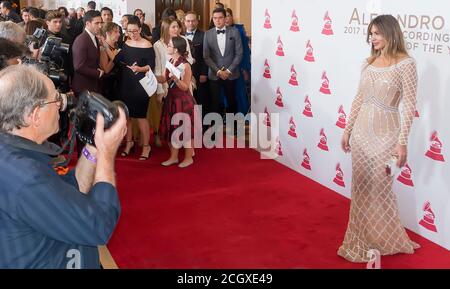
[[233, 210]]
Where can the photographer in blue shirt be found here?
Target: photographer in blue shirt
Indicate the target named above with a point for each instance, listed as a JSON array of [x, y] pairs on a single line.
[[48, 220]]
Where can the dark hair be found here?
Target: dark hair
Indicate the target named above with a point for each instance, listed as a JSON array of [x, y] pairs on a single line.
[[134, 20], [136, 10], [33, 11], [128, 16], [9, 50], [107, 9], [90, 15], [229, 11], [219, 5], [32, 25], [179, 43], [66, 12], [167, 13], [26, 9], [220, 10], [7, 5], [53, 14], [92, 5]]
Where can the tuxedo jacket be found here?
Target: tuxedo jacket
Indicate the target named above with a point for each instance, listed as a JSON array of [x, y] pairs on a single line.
[[231, 58], [86, 61], [199, 67]]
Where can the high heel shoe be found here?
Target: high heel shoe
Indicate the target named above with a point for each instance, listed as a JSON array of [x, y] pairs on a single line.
[[126, 153], [145, 157]]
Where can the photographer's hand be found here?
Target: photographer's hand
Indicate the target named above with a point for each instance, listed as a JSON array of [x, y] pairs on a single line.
[[107, 143]]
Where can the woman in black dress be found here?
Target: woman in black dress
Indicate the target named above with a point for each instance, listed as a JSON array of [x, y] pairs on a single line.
[[136, 58]]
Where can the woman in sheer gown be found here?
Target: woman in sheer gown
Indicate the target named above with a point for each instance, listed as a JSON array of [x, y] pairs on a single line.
[[376, 132]]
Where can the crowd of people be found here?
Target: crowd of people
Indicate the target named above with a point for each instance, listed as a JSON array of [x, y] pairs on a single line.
[[111, 59]]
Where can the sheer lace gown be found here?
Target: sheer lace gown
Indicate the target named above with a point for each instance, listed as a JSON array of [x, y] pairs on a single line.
[[375, 126]]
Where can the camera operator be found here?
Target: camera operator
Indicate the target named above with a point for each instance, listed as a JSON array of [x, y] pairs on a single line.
[[54, 23], [47, 220], [10, 53]]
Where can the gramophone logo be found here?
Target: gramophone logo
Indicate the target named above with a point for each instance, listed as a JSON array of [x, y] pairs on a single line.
[[278, 149], [267, 117], [342, 119], [267, 24], [405, 176], [280, 51], [339, 178], [323, 145], [293, 81], [428, 218], [325, 88], [267, 70], [306, 159], [327, 26], [435, 150], [307, 111], [279, 101], [294, 25], [309, 52], [292, 127]]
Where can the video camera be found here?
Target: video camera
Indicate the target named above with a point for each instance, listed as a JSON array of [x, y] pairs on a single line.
[[50, 62], [84, 109]]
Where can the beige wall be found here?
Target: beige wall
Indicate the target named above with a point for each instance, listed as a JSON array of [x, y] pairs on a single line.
[[242, 10]]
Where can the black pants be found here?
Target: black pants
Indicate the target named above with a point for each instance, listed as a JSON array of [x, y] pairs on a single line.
[[229, 89]]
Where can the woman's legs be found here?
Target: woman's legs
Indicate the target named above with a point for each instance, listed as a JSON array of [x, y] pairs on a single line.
[[144, 129], [173, 157], [129, 139], [188, 154]]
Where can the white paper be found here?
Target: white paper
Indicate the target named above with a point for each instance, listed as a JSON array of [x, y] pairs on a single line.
[[149, 83], [175, 71]]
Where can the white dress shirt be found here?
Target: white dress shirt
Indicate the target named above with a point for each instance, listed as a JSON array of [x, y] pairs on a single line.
[[221, 40], [190, 37], [92, 37]]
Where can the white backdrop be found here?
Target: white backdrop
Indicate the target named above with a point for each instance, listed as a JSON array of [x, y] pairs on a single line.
[[306, 59]]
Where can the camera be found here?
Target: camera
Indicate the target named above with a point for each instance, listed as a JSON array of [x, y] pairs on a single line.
[[84, 111], [51, 56], [37, 39], [53, 49]]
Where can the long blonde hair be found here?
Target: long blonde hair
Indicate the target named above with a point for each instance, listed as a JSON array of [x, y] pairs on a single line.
[[390, 29]]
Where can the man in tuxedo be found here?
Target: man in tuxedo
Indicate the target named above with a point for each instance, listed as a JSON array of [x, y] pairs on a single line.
[[222, 51], [199, 68], [86, 55]]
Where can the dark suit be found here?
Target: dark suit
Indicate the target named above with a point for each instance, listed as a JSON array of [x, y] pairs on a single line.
[[216, 61], [199, 67], [86, 61]]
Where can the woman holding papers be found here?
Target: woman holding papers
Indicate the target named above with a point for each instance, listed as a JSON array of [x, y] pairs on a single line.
[[137, 57], [179, 105]]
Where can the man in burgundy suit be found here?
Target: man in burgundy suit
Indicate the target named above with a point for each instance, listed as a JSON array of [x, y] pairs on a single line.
[[86, 55], [86, 59]]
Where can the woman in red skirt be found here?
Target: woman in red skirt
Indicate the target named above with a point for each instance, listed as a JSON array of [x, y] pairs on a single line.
[[179, 106]]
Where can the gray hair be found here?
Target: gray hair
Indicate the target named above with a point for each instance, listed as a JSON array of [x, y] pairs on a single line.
[[22, 89], [12, 31]]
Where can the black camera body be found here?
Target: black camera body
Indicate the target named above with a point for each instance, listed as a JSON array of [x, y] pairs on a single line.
[[50, 63], [84, 116]]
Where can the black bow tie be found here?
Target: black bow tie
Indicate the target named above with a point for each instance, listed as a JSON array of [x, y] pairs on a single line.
[[220, 31], [189, 33]]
